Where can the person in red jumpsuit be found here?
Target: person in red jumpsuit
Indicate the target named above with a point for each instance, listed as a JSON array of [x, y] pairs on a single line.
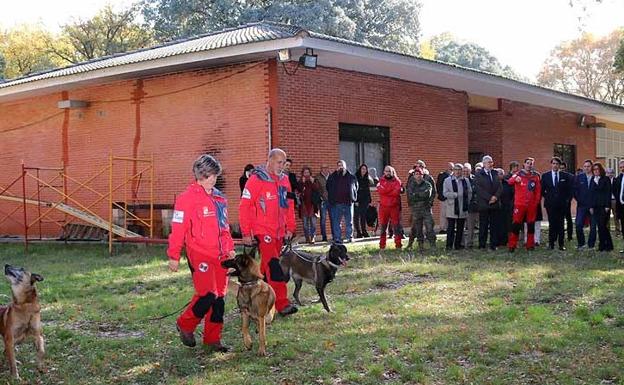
[[389, 189], [527, 194], [200, 224], [267, 214]]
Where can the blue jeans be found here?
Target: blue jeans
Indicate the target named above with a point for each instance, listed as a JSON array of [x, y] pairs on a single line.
[[309, 226], [337, 212], [323, 211], [581, 214]]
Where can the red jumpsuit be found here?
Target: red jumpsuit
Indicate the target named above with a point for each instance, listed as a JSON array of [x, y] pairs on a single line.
[[527, 194], [389, 209], [200, 224], [266, 213]]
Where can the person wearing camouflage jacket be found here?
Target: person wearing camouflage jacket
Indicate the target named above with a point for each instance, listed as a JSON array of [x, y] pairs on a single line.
[[420, 197]]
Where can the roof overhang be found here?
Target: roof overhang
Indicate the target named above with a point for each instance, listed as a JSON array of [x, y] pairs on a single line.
[[368, 60], [202, 59]]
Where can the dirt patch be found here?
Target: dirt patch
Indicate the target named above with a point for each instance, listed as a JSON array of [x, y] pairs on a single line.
[[97, 329]]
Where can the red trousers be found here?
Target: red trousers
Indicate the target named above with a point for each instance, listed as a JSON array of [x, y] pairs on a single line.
[[270, 249], [389, 214], [210, 281], [523, 214]]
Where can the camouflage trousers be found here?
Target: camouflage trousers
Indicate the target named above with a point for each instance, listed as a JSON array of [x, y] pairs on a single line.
[[422, 217]]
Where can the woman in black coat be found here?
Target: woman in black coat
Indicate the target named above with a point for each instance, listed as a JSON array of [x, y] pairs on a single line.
[[600, 195], [363, 200]]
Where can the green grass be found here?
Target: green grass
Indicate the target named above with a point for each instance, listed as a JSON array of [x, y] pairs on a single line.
[[448, 318]]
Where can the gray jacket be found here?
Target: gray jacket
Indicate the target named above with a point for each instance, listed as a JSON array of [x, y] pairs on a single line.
[[451, 195]]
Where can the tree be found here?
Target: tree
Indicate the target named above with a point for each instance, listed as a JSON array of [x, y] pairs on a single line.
[[2, 67], [448, 49], [390, 24], [106, 33], [618, 63], [584, 66], [25, 51]]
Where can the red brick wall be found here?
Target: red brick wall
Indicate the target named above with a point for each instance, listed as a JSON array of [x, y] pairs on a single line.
[[226, 117], [531, 130], [520, 130], [425, 122], [485, 134]]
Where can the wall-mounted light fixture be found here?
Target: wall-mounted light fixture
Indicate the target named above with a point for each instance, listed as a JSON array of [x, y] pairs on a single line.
[[308, 59]]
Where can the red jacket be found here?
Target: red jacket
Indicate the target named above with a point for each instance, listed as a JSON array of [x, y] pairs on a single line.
[[389, 192], [264, 208], [200, 223], [527, 192]]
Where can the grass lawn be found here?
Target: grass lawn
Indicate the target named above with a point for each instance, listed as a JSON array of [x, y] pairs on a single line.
[[450, 318]]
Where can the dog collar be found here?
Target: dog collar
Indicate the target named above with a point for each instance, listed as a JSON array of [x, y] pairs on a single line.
[[250, 283]]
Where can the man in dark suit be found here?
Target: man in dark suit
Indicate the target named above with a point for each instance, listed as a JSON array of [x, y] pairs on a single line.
[[583, 204], [568, 212], [489, 190], [618, 193], [556, 189]]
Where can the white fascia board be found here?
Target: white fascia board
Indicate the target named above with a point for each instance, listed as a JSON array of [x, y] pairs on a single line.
[[368, 60], [163, 65]]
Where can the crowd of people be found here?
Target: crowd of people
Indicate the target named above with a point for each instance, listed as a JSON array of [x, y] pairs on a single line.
[[503, 207], [501, 204]]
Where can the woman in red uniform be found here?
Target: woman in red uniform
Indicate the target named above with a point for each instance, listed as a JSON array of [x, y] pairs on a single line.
[[200, 224]]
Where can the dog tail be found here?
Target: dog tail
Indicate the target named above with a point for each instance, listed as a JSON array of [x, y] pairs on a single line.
[[269, 317]]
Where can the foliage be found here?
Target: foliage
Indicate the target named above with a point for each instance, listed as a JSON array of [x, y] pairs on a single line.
[[584, 66], [106, 33], [448, 49], [392, 24], [2, 66], [25, 51]]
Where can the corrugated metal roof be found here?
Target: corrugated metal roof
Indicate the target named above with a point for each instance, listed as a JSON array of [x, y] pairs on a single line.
[[251, 33]]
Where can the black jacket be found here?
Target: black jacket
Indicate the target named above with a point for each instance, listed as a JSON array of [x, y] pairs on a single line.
[[440, 185], [616, 188], [559, 195], [600, 194], [364, 184], [486, 188], [332, 187]]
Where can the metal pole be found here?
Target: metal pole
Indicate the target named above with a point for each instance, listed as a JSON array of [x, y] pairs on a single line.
[[24, 204], [39, 205], [152, 197], [110, 207]]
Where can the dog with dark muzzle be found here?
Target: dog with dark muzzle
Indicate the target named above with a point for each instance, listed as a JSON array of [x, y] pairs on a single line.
[[21, 318], [255, 298], [317, 270]]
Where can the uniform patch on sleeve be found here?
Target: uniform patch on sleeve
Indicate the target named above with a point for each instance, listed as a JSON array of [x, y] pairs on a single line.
[[246, 194], [178, 216]]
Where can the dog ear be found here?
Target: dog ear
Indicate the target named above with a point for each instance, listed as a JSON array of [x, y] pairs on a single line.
[[35, 278], [252, 251]]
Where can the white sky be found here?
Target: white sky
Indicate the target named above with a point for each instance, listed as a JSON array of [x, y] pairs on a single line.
[[520, 33]]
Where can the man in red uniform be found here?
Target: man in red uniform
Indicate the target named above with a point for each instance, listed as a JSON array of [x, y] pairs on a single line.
[[389, 189], [268, 215], [200, 224], [527, 194]]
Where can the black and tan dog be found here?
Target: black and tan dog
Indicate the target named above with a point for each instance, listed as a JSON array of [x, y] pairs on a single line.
[[317, 270], [21, 318], [256, 299]]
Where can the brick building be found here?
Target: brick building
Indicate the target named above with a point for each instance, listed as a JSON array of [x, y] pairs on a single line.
[[227, 93]]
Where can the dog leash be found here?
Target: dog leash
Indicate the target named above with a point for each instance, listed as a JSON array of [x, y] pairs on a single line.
[[170, 314]]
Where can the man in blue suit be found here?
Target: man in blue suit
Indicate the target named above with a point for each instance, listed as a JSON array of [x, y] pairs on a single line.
[[583, 204], [556, 190]]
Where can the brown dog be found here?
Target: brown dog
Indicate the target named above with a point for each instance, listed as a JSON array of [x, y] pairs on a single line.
[[21, 318], [256, 299]]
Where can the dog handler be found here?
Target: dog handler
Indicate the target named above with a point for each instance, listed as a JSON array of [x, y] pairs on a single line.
[[266, 214], [200, 224]]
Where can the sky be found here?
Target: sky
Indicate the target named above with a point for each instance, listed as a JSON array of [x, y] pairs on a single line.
[[520, 33]]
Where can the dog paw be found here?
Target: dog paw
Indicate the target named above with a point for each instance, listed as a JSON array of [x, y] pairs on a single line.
[[262, 352], [248, 344]]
